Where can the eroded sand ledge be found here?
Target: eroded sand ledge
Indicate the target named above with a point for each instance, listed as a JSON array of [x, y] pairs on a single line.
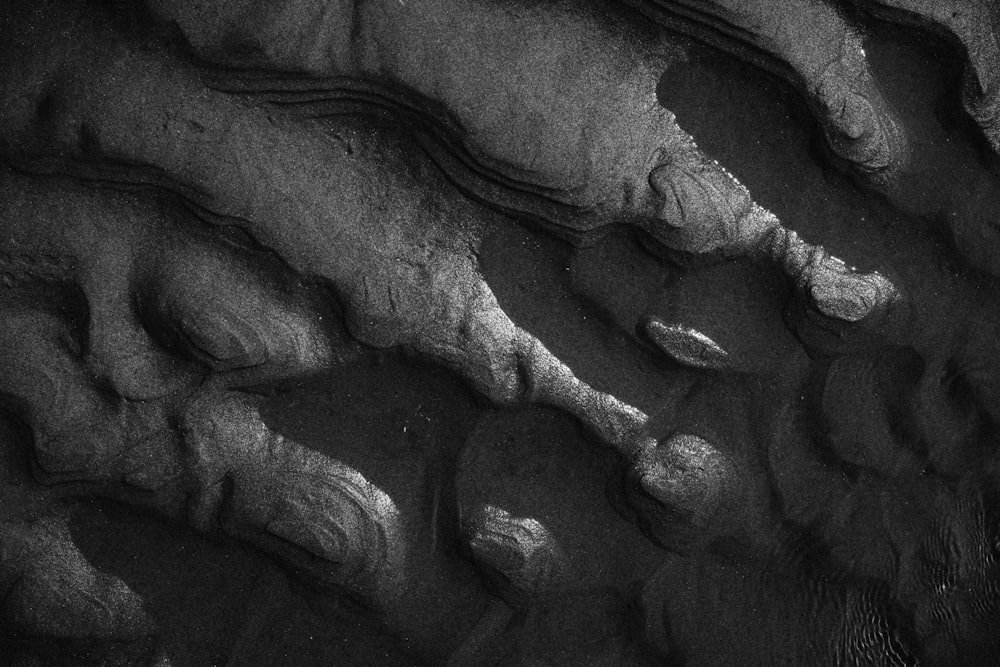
[[460, 333]]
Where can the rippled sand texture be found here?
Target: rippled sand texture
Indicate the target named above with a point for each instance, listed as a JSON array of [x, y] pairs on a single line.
[[583, 332]]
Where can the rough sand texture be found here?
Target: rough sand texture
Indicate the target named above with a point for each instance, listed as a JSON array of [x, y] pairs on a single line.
[[478, 333]]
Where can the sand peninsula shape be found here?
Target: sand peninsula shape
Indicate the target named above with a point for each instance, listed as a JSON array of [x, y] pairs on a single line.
[[809, 44], [379, 225], [224, 472], [201, 454], [565, 125], [258, 485], [53, 594], [581, 145], [117, 317], [974, 25], [296, 227], [82, 434], [314, 508]]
